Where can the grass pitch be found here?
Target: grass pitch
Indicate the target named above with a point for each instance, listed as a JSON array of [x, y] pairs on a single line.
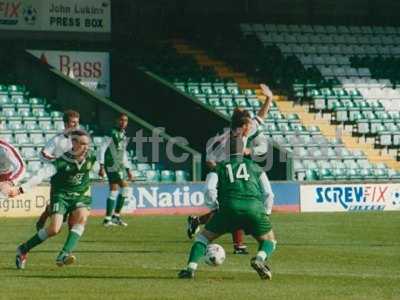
[[319, 256]]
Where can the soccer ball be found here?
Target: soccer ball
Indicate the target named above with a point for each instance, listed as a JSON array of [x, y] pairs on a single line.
[[30, 14], [215, 255]]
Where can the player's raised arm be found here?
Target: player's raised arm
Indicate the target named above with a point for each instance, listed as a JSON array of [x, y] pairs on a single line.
[[267, 191], [262, 113]]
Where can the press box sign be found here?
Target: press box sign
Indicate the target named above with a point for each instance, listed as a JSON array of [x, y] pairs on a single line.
[[56, 15], [349, 197], [91, 69], [78, 15]]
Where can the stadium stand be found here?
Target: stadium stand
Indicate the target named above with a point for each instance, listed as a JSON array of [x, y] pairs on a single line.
[[355, 85], [313, 63], [29, 122]]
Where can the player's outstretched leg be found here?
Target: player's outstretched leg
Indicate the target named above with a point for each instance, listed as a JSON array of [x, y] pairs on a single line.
[[42, 235], [197, 251], [267, 245], [238, 246]]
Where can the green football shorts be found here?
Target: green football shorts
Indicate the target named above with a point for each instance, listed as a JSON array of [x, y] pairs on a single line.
[[65, 203], [254, 223]]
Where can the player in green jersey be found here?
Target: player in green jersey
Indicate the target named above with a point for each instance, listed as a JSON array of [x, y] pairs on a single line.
[[255, 146], [70, 184], [113, 159], [238, 189]]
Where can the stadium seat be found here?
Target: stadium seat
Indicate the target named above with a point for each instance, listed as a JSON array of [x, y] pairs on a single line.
[[167, 176]]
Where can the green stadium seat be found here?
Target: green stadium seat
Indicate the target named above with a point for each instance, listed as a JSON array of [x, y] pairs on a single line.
[[339, 174], [314, 130], [354, 115], [3, 89], [139, 175], [241, 101], [220, 90], [194, 90], [394, 175], [233, 90], [16, 89], [353, 174], [181, 87], [143, 167], [208, 90], [384, 136], [181, 176], [380, 174], [152, 175], [366, 174], [319, 101], [254, 102], [21, 139], [298, 129], [214, 102], [311, 175], [340, 112], [167, 176], [325, 174], [248, 92], [293, 118]]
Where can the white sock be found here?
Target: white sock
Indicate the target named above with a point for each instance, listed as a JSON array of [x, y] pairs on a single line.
[[192, 266], [261, 256]]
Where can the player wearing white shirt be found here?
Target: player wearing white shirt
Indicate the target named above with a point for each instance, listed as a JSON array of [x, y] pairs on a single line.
[[217, 151]]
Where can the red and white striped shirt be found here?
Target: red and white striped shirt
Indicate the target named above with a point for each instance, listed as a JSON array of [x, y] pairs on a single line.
[[12, 166]]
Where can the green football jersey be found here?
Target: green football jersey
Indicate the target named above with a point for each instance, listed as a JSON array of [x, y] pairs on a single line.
[[239, 185], [114, 155], [72, 177]]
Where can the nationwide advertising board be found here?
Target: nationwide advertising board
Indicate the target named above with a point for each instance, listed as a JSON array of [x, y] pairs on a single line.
[[91, 69], [146, 199], [185, 198], [56, 15], [350, 197]]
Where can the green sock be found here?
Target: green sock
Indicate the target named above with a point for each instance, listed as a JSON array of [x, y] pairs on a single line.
[[120, 203], [72, 240], [31, 243], [37, 239], [265, 249], [110, 207], [198, 251]]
